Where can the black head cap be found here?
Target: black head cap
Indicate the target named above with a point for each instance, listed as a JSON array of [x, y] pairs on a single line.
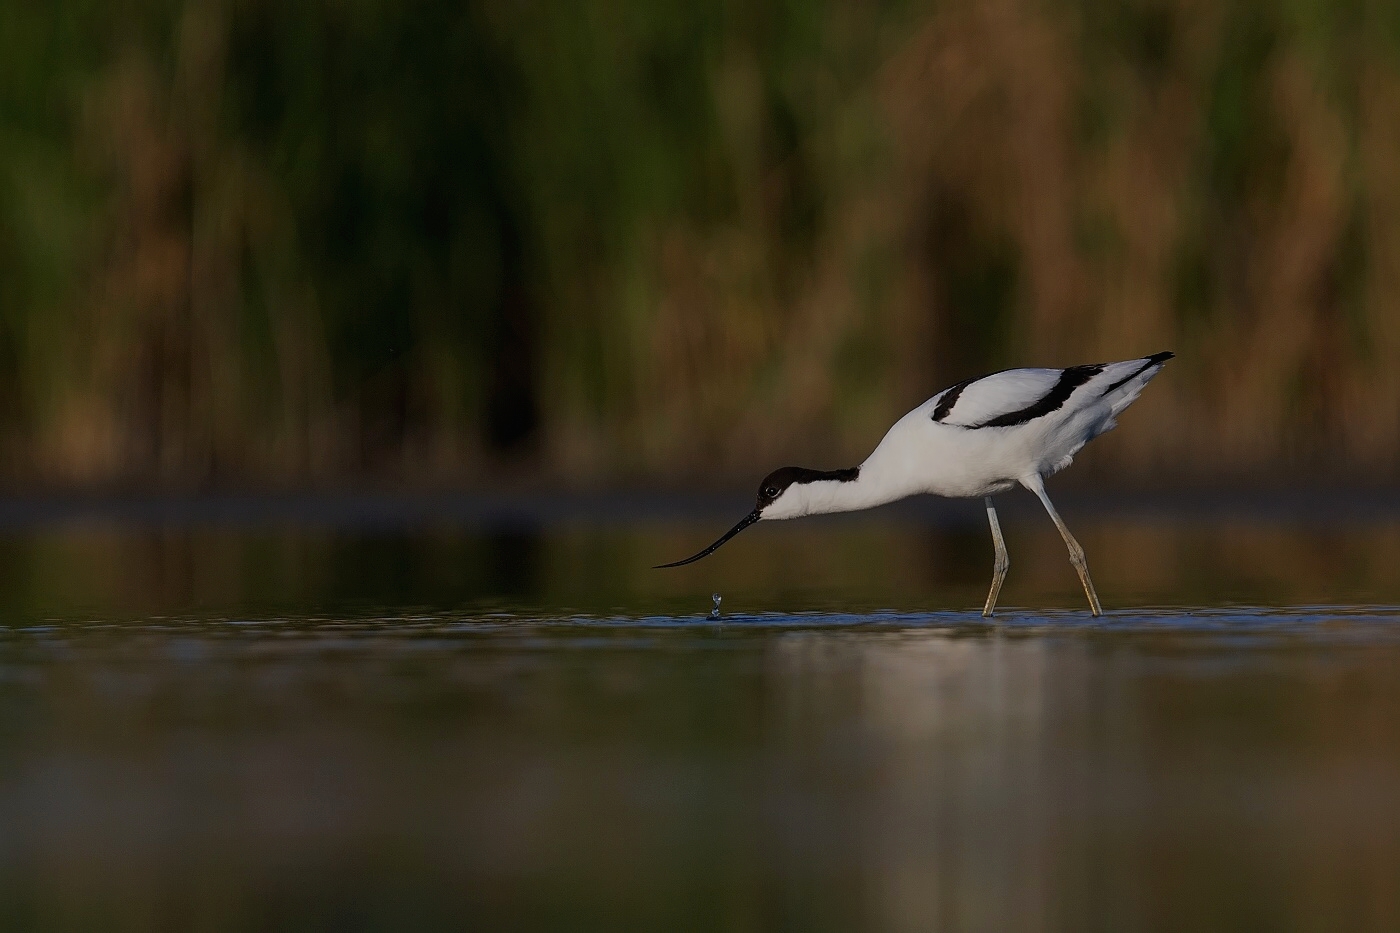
[[775, 483]]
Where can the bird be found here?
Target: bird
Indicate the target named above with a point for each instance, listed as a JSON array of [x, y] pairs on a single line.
[[978, 438]]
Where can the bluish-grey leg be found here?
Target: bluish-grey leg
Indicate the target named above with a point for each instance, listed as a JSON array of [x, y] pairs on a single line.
[[1076, 553], [1003, 561]]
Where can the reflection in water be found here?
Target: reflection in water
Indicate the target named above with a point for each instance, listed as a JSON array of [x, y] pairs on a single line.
[[1150, 782], [235, 730], [793, 566], [1233, 770], [513, 559]]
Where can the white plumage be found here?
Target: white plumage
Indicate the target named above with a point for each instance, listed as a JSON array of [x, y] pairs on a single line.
[[977, 438]]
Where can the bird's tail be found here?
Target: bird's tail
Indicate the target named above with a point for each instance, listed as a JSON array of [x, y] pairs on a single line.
[[1130, 377]]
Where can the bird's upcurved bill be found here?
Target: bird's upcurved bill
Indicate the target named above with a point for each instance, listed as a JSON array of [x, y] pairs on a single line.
[[748, 520]]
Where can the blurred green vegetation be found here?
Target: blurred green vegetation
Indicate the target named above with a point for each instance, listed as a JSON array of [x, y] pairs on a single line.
[[429, 241]]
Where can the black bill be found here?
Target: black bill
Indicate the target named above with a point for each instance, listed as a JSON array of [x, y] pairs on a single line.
[[748, 520]]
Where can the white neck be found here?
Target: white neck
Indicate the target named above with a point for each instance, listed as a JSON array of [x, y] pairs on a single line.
[[875, 485]]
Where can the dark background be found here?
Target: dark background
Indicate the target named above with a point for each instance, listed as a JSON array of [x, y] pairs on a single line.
[[452, 244]]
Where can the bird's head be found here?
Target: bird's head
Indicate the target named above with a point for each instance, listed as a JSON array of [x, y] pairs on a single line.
[[788, 492]]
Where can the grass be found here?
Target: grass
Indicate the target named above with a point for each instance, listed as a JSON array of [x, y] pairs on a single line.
[[435, 242]]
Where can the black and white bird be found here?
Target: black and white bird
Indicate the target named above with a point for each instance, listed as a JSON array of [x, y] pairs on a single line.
[[977, 438]]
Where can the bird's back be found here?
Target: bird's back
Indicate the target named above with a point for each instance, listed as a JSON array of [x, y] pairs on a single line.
[[1016, 397], [984, 434]]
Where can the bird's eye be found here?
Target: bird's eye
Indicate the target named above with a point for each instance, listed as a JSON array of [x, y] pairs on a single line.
[[770, 491]]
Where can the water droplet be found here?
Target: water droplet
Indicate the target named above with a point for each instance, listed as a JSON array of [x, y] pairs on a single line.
[[714, 613]]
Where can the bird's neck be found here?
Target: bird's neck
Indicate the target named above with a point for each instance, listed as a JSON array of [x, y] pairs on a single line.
[[871, 486]]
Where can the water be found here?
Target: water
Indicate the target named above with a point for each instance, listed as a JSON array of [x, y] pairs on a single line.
[[404, 725]]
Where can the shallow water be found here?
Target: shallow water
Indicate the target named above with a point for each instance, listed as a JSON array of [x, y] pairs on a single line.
[[216, 726]]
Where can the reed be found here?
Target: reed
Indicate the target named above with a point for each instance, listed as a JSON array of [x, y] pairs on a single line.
[[431, 242]]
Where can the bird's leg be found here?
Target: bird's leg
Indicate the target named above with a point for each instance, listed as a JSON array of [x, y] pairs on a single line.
[[1003, 562], [1076, 553]]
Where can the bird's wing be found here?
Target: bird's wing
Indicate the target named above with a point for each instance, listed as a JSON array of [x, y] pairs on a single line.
[[1018, 396], [977, 401]]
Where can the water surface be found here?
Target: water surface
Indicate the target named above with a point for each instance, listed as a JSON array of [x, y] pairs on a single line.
[[231, 726]]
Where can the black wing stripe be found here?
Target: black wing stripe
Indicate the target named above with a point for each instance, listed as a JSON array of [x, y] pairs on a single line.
[[1070, 379], [1152, 360], [950, 398]]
